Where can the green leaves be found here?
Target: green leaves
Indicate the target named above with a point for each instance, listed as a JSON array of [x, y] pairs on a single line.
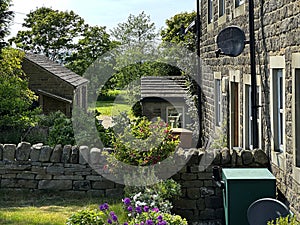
[[6, 17], [16, 98]]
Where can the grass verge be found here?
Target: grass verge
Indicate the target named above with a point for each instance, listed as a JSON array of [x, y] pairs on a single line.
[[25, 208]]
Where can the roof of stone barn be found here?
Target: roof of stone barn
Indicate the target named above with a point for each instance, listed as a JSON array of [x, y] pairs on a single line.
[[163, 87], [55, 69]]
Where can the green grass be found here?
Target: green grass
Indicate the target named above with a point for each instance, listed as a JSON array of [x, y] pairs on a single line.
[[110, 108], [46, 209]]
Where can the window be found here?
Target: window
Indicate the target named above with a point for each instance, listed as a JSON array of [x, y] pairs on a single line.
[[278, 109], [218, 96], [239, 2], [175, 117], [249, 118], [210, 12], [297, 119], [221, 8]]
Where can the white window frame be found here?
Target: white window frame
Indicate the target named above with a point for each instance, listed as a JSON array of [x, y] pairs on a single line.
[[238, 3], [221, 7], [277, 103], [178, 109], [210, 12], [218, 99]]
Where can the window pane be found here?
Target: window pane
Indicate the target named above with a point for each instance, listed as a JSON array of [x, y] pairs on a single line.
[[221, 7], [210, 12]]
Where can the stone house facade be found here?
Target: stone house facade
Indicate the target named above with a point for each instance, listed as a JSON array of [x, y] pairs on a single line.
[[227, 87], [57, 87]]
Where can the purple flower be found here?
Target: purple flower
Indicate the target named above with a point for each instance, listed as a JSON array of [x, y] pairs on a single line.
[[127, 201], [159, 218], [162, 222], [149, 222], [142, 223], [113, 216], [109, 221], [125, 223], [129, 208], [138, 209], [146, 208], [155, 209], [104, 207]]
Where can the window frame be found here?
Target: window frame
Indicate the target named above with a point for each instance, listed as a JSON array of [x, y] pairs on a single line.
[[210, 13], [218, 102], [221, 8]]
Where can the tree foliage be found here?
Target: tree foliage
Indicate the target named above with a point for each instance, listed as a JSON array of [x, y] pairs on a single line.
[[16, 98], [176, 25], [6, 17], [50, 32], [95, 41], [136, 30]]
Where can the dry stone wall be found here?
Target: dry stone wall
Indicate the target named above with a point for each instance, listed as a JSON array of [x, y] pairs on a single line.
[[64, 169], [40, 167]]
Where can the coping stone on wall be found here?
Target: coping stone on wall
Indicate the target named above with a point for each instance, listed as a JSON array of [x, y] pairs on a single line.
[[66, 155], [35, 152], [95, 156], [23, 151], [84, 153], [9, 151], [56, 154], [75, 155], [45, 154]]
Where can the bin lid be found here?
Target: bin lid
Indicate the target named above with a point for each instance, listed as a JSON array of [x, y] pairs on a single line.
[[247, 173]]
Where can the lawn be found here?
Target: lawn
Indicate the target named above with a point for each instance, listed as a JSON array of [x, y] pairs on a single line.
[[111, 108], [45, 209]]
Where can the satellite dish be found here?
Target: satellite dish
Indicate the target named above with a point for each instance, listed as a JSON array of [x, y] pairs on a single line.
[[231, 41], [266, 209]]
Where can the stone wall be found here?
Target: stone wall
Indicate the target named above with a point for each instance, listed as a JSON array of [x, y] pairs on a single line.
[[202, 202], [39, 167], [64, 169]]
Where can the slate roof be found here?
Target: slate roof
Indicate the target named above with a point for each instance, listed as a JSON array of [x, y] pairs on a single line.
[[56, 69], [163, 87]]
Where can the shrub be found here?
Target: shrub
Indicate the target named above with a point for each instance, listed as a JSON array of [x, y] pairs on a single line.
[[62, 131], [86, 217], [158, 218], [143, 142], [289, 220], [158, 195]]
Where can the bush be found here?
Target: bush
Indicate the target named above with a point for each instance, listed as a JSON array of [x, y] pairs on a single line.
[[86, 217], [62, 131], [158, 218], [158, 195], [289, 220], [142, 142]]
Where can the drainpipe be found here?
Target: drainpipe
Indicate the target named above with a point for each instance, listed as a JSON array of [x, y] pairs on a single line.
[[199, 76], [254, 106]]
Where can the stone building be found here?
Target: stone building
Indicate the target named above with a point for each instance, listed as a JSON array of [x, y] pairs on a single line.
[[165, 97], [227, 87], [56, 86]]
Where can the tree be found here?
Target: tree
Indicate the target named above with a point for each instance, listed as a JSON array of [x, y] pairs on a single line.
[[6, 17], [174, 32], [50, 32], [95, 42], [16, 98], [136, 30]]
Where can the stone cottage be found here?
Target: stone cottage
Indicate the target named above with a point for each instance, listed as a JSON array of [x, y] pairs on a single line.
[[227, 88], [58, 88], [165, 97]]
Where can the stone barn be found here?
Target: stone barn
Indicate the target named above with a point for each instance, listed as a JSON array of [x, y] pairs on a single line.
[[58, 88], [165, 97]]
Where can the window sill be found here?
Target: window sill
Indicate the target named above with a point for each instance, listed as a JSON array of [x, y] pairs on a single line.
[[222, 20], [279, 159], [296, 173], [239, 11], [210, 27]]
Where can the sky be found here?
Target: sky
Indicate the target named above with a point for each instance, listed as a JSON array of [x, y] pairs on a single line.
[[105, 12]]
